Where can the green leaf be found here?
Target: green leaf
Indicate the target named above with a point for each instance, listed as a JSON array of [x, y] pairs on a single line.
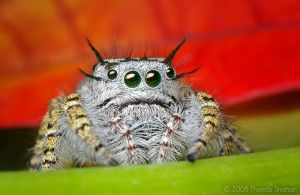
[[252, 173]]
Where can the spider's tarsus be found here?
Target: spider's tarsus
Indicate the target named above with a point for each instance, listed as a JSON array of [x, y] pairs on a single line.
[[246, 151], [191, 158], [113, 162]]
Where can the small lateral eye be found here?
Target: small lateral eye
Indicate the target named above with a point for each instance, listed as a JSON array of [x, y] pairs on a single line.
[[170, 73], [132, 79], [112, 74], [153, 78]]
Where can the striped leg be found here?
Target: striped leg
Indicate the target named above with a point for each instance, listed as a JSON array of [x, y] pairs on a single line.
[[230, 139], [211, 126], [128, 140], [35, 162], [215, 127], [227, 146], [166, 144], [78, 121], [238, 141], [44, 151]]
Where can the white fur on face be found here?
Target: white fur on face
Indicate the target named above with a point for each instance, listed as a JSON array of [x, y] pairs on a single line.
[[147, 112]]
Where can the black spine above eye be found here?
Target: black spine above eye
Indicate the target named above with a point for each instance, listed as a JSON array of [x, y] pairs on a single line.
[[90, 76], [186, 73]]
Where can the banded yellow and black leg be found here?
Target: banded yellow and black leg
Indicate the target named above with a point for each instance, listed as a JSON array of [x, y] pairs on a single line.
[[211, 126], [79, 122], [35, 161], [238, 141], [227, 143], [216, 133], [44, 157]]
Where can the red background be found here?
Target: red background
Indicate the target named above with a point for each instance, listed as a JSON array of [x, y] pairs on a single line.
[[247, 49]]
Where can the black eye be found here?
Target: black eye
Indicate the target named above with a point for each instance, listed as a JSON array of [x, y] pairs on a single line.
[[170, 73], [132, 79], [153, 78], [112, 74]]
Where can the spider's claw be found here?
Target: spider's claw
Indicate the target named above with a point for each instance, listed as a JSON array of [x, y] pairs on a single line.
[[113, 162], [191, 158], [246, 151]]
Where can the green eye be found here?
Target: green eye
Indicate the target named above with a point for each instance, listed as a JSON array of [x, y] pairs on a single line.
[[112, 74], [153, 78], [170, 72], [132, 79]]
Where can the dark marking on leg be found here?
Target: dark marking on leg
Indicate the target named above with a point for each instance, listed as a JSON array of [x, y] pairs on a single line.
[[49, 162], [49, 126], [48, 150], [73, 106], [208, 114], [202, 141], [208, 99], [82, 127], [76, 98], [80, 116], [212, 123], [99, 146]]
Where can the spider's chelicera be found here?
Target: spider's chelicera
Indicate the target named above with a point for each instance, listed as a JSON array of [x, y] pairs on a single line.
[[132, 111]]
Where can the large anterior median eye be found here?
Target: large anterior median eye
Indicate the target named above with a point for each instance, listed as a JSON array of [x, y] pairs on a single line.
[[112, 74], [132, 79], [153, 78], [170, 73]]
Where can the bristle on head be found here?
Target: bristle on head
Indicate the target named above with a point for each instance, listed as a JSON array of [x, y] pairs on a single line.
[[186, 73], [96, 52], [169, 58], [89, 75]]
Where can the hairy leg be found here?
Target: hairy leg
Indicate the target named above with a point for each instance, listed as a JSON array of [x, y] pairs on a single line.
[[238, 141], [167, 145], [79, 122], [37, 150], [53, 143], [127, 148], [44, 157], [214, 130]]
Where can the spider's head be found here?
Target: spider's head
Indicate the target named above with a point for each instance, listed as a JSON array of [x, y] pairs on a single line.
[[143, 80]]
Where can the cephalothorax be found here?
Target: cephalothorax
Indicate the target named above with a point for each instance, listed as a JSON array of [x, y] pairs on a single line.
[[132, 111]]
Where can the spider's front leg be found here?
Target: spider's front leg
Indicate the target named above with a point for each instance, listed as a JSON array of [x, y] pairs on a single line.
[[55, 147], [129, 148], [167, 145], [44, 156], [79, 122], [216, 132]]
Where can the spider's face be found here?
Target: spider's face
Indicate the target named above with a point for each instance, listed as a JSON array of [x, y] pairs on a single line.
[[138, 81]]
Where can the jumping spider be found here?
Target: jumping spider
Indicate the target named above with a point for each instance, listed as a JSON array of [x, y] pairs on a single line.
[[132, 111]]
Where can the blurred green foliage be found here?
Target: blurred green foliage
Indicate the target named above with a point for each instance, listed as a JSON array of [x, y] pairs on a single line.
[[271, 131], [273, 170]]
